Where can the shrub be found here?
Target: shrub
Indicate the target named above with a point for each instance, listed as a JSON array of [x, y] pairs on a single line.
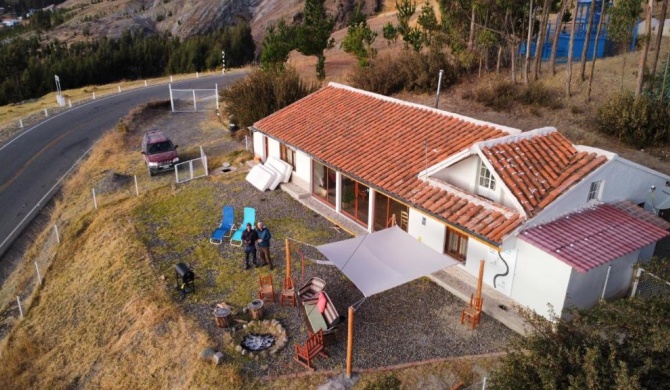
[[638, 122], [538, 94], [501, 94], [411, 71], [263, 93]]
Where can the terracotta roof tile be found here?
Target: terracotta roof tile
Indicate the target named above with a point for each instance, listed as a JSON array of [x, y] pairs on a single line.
[[596, 236], [380, 141], [538, 169]]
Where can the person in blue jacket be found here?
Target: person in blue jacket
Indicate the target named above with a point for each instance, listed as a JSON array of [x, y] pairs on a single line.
[[264, 237]]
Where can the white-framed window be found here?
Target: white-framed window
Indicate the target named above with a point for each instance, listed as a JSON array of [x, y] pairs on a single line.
[[594, 190], [486, 179]]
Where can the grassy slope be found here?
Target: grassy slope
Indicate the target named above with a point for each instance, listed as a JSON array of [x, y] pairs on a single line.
[[102, 318]]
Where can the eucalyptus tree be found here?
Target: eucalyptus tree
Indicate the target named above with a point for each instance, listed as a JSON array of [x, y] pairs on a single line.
[[587, 41], [313, 34], [623, 17]]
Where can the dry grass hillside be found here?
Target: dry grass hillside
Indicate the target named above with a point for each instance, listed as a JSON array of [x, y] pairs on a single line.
[[101, 319]]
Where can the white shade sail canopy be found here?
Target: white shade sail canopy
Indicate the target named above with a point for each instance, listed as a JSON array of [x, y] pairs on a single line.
[[385, 259]]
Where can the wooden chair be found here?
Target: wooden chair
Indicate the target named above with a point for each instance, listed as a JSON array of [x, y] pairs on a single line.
[[313, 346], [473, 313], [266, 291], [288, 293]]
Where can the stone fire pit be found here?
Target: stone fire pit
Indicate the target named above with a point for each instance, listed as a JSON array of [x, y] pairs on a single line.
[[260, 338]]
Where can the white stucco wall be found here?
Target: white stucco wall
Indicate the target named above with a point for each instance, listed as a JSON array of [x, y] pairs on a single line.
[[539, 279], [463, 174], [585, 289], [493, 265], [274, 149], [258, 145], [303, 168], [621, 180], [431, 234]]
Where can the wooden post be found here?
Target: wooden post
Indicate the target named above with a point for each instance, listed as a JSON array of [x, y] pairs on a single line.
[[350, 340], [288, 258], [479, 281]]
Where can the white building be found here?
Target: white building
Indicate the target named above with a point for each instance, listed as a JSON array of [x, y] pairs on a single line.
[[475, 190]]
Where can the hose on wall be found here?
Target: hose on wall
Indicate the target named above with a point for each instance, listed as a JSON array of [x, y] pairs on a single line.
[[502, 274]]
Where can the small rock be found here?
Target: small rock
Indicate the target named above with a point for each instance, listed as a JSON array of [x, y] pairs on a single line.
[[162, 277], [274, 351], [264, 367], [244, 351], [238, 348], [206, 354], [217, 359]]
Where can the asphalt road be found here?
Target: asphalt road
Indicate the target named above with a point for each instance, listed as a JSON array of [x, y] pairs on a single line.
[[33, 163]]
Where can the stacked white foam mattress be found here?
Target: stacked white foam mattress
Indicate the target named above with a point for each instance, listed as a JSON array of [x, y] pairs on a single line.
[[270, 175]]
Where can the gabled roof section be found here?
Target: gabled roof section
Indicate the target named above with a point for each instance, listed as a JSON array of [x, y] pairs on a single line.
[[386, 142], [539, 166], [595, 236]]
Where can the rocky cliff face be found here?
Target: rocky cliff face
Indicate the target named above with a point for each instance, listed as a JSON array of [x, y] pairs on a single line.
[[183, 18]]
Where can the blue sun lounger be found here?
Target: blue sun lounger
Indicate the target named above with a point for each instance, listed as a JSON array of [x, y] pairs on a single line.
[[249, 217], [226, 226]]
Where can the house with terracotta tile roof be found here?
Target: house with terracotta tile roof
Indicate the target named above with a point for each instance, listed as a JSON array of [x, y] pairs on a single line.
[[475, 190]]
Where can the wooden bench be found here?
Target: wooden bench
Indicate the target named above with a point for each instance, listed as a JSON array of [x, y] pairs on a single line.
[[327, 322], [311, 289], [313, 346]]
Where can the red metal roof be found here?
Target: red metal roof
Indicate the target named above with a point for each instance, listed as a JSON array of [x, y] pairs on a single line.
[[540, 168], [593, 237], [382, 141]]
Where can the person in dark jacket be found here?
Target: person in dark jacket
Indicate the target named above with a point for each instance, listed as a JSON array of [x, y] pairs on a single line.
[[264, 237], [249, 238]]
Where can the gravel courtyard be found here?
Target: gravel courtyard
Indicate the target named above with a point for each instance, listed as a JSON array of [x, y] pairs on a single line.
[[412, 322]]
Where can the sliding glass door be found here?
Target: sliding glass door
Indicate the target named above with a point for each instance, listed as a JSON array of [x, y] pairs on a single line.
[[355, 200], [323, 183]]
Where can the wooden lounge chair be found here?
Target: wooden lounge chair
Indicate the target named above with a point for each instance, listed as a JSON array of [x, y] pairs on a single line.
[[313, 346]]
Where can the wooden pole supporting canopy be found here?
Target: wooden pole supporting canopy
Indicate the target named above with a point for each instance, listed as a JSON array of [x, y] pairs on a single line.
[[479, 281], [350, 340], [288, 258]]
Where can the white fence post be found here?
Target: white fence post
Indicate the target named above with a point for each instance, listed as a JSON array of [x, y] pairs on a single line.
[[69, 103], [93, 95], [57, 235], [638, 273], [145, 83], [21, 123], [246, 142], [18, 300], [137, 190], [119, 89], [484, 384], [607, 278], [216, 89], [170, 78], [197, 75], [95, 201], [39, 277], [195, 102], [171, 99], [204, 161], [46, 113]]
